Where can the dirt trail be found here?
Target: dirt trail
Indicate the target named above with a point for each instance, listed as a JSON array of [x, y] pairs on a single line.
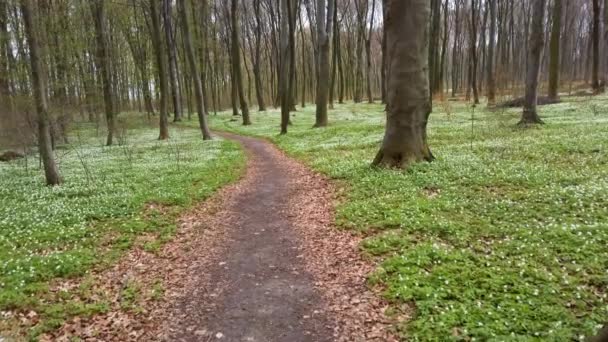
[[258, 290], [260, 261]]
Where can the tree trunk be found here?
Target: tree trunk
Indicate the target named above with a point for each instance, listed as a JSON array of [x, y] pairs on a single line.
[[236, 62], [39, 88], [172, 54], [595, 79], [103, 57], [530, 116], [259, 91], [284, 93], [198, 86], [473, 53], [554, 50], [409, 106], [324, 31], [490, 59], [161, 62]]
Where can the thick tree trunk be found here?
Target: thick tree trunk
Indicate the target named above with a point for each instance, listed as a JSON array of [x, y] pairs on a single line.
[[324, 30], [236, 62], [103, 57], [198, 86], [490, 61], [39, 88], [176, 95], [408, 108], [535, 46], [161, 63]]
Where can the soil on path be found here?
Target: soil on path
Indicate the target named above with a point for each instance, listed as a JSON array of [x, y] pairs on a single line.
[[259, 289], [260, 261]]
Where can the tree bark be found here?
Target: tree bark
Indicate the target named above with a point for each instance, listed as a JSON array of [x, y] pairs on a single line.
[[554, 50], [161, 63], [595, 79], [409, 106], [324, 31], [198, 86], [176, 95], [259, 90], [103, 57], [284, 91], [490, 61], [236, 62], [535, 46], [37, 73], [473, 53]]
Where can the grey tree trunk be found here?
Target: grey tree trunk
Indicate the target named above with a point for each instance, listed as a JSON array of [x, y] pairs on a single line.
[[171, 50], [490, 61], [284, 91], [535, 48], [324, 31], [161, 62], [595, 37], [198, 86], [408, 96], [554, 50], [236, 62], [51, 172], [103, 58]]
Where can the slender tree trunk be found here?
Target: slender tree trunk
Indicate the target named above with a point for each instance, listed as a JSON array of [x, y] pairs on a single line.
[[595, 79], [284, 93], [172, 54], [236, 62], [368, 53], [4, 65], [409, 106], [39, 88], [473, 52], [530, 115], [490, 59], [161, 62], [259, 90], [384, 59], [324, 30], [555, 48], [198, 86], [103, 57]]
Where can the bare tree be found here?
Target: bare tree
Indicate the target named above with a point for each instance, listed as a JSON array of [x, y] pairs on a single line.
[[554, 50], [409, 106], [37, 73], [172, 54], [103, 60], [198, 87], [535, 47], [236, 61], [490, 62], [161, 63], [324, 31]]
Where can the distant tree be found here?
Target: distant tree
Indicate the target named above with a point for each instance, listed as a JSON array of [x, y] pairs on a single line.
[[554, 59], [236, 61], [172, 55], [490, 62], [595, 37], [473, 51], [535, 48], [285, 61], [161, 64], [198, 87], [324, 31], [408, 100], [103, 60], [37, 73]]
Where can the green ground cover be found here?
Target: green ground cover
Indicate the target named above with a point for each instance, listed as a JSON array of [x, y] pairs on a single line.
[[503, 237], [64, 231]]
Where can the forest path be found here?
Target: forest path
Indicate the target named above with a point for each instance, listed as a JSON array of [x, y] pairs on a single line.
[[256, 288]]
